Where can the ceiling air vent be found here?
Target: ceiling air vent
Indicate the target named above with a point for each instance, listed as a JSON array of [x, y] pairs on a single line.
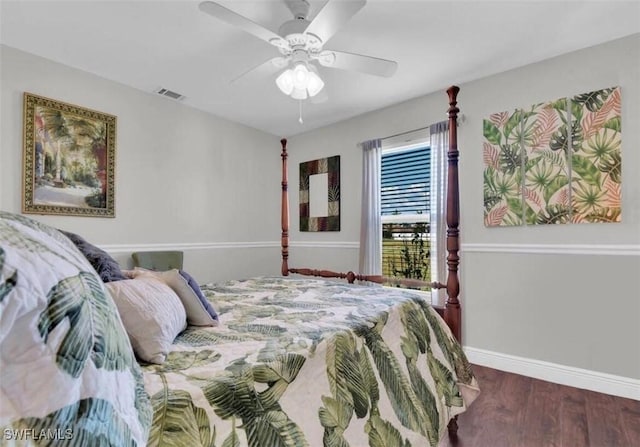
[[169, 94]]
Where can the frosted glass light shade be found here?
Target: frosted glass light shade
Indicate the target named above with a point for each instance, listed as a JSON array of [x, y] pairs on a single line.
[[299, 93], [300, 76], [285, 82], [315, 84]]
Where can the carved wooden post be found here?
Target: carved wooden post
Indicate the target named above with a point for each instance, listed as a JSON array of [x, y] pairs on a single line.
[[452, 310], [284, 242]]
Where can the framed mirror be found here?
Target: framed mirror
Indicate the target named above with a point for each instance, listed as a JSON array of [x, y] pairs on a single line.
[[320, 194]]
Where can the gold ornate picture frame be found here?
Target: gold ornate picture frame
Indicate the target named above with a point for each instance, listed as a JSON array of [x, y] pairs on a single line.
[[69, 159]]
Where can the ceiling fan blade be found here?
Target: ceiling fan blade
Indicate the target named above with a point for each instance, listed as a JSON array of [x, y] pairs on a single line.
[[264, 69], [358, 62], [332, 16], [233, 18]]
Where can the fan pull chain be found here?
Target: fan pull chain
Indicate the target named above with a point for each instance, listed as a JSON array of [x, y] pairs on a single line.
[[300, 111]]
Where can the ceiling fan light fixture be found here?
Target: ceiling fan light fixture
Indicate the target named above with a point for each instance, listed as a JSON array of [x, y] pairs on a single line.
[[300, 82], [300, 43]]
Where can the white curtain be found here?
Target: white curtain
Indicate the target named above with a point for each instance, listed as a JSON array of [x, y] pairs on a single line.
[[371, 220], [439, 146]]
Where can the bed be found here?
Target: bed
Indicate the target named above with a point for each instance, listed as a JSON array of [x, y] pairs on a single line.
[[283, 361]]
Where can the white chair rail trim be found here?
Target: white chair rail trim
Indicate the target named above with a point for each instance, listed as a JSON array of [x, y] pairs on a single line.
[[548, 249], [129, 248], [556, 249], [326, 244]]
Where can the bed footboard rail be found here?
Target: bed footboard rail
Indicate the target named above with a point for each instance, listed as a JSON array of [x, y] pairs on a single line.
[[351, 277]]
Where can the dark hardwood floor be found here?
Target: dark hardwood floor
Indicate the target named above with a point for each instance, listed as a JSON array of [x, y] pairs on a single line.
[[518, 411]]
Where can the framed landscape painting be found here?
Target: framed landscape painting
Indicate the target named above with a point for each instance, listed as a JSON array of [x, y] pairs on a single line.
[[69, 159]]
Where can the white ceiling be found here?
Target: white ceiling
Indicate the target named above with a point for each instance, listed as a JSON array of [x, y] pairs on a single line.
[[172, 44]]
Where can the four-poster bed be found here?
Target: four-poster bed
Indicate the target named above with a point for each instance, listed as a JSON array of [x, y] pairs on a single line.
[[294, 362], [451, 311]]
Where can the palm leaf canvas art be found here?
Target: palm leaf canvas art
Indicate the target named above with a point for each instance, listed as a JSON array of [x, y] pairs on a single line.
[[502, 169], [556, 162], [596, 160], [546, 171]]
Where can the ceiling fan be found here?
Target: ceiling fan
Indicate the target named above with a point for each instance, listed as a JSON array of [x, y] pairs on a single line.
[[300, 42]]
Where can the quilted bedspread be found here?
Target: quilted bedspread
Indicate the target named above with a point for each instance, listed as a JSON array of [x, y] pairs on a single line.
[[68, 374], [310, 362]]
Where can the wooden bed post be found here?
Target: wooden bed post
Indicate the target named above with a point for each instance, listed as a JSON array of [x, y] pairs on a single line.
[[452, 310], [285, 211]]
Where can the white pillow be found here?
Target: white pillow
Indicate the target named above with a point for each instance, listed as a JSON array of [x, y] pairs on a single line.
[[152, 315], [197, 314]]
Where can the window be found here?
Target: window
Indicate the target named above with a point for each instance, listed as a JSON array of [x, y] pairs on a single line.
[[405, 210]]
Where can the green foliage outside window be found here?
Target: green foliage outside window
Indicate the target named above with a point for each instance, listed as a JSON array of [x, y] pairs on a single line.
[[408, 256]]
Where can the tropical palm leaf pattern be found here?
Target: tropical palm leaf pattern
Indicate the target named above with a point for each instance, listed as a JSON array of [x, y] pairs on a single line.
[[177, 421], [502, 190], [67, 365], [311, 363], [92, 334], [90, 421], [597, 161], [557, 162], [545, 165]]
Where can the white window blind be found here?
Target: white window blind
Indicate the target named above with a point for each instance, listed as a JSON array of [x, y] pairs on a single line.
[[405, 184]]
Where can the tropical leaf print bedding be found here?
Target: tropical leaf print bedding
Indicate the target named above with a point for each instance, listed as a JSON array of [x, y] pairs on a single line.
[[68, 375], [310, 363]]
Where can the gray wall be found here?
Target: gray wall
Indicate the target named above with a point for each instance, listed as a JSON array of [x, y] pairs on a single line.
[[182, 176], [580, 310]]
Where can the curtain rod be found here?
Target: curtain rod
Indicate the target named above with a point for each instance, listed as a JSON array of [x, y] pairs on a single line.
[[405, 133], [460, 120]]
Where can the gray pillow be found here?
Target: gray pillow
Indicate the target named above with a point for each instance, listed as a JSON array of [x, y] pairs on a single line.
[[203, 300], [107, 267]]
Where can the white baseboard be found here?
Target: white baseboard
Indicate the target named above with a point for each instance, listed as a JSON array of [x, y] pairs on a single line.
[[553, 372]]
